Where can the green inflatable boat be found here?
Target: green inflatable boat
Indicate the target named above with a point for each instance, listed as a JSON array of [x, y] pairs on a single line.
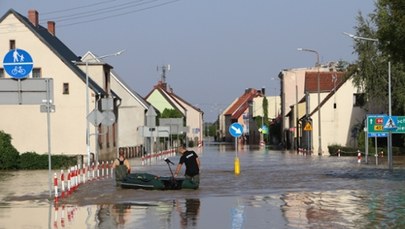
[[153, 182]]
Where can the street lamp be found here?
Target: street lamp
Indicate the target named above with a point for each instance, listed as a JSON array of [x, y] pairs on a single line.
[[389, 95], [319, 98], [87, 97]]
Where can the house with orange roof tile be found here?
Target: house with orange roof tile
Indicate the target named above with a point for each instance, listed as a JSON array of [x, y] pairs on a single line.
[[341, 110], [240, 111]]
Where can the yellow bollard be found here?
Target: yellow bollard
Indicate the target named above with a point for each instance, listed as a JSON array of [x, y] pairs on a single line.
[[237, 166]]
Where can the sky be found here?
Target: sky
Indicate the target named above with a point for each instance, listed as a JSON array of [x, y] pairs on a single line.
[[216, 48]]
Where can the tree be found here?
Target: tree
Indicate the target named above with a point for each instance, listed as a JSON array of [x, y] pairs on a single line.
[[370, 71], [390, 21], [171, 113], [9, 156]]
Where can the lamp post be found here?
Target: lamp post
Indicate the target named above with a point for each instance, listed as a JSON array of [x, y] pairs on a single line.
[[319, 98], [389, 95], [87, 98]]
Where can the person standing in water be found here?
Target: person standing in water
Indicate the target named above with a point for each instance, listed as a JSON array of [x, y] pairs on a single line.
[[192, 162], [121, 167]]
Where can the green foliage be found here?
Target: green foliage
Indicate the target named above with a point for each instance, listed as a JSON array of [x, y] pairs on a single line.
[[32, 160], [171, 113], [212, 130], [9, 156], [370, 71], [63, 161], [390, 21], [344, 151], [350, 151], [341, 66]]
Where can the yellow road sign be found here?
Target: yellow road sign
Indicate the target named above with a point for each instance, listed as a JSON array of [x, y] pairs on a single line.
[[308, 127]]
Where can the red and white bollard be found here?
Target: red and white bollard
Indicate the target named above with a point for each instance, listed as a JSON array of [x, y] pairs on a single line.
[[92, 171], [107, 168], [79, 175], [98, 169], [55, 184], [62, 180], [84, 173], [102, 169], [68, 181], [358, 156], [112, 169], [75, 175]]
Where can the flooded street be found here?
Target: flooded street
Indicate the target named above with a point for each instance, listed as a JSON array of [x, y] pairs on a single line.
[[275, 189]]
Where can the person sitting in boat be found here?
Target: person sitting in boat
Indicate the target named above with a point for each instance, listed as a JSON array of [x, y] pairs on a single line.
[[192, 162], [121, 167]]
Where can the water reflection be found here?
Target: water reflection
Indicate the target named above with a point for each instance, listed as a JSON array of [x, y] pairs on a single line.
[[276, 189], [188, 213]]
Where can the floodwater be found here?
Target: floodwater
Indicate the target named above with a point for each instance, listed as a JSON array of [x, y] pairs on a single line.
[[275, 189]]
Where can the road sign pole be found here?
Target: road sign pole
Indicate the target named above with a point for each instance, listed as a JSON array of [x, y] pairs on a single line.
[[366, 138], [236, 162], [236, 131]]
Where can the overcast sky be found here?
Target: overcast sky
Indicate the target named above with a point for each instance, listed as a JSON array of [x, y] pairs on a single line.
[[216, 48]]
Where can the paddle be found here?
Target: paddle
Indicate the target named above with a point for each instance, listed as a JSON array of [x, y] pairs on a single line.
[[167, 160]]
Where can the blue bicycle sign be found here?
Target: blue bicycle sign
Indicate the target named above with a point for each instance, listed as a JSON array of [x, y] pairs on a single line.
[[18, 63]]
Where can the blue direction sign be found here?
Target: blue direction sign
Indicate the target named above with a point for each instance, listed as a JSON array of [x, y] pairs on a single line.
[[18, 63], [236, 129]]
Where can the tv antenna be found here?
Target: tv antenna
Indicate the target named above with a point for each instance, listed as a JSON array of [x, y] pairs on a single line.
[[165, 68]]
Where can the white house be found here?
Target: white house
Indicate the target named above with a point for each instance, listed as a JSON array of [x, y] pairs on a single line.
[[131, 111], [340, 108], [163, 98], [68, 124]]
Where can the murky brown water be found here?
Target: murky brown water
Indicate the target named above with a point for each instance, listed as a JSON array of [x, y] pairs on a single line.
[[275, 189]]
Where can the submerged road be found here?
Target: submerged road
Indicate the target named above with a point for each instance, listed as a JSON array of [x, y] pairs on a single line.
[[275, 189]]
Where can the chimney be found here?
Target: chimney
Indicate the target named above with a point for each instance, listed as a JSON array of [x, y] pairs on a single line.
[[51, 27], [33, 17]]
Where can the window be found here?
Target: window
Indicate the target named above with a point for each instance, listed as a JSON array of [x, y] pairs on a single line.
[[36, 73], [358, 99], [12, 44], [2, 73], [66, 88]]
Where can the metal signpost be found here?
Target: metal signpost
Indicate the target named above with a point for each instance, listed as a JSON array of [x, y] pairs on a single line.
[[236, 130], [18, 90], [382, 126]]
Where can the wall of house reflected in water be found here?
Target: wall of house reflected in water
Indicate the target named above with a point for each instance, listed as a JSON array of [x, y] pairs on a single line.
[[275, 189]]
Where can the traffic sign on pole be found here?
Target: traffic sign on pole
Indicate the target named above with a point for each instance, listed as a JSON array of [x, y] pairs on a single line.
[[236, 129], [375, 126], [18, 63]]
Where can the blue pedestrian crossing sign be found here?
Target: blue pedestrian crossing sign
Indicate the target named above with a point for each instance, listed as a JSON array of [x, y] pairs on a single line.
[[390, 122], [236, 129], [18, 63]]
